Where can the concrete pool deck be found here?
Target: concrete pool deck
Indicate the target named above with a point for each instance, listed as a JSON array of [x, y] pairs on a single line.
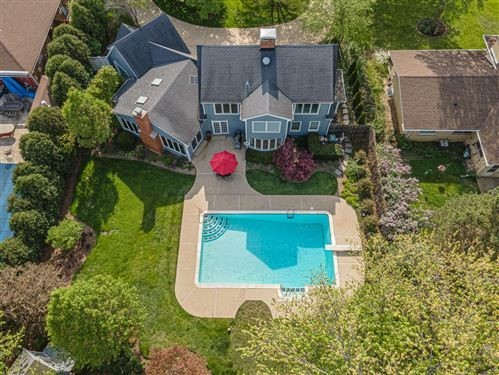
[[209, 193]]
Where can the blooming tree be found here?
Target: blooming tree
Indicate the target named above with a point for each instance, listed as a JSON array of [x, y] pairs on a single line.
[[400, 192], [294, 164]]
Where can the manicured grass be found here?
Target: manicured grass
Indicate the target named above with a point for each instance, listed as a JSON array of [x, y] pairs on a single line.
[[258, 13], [437, 186], [396, 20], [136, 210], [320, 183]]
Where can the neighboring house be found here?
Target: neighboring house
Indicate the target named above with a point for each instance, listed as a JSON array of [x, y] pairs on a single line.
[[266, 92], [451, 95], [50, 361], [24, 34]]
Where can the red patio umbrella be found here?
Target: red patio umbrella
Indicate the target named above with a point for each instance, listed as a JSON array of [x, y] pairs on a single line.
[[223, 163]]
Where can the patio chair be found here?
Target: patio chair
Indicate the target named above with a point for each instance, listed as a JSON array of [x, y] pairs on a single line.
[[237, 140]]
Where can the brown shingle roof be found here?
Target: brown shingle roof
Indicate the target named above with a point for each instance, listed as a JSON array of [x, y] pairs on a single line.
[[24, 25], [450, 90]]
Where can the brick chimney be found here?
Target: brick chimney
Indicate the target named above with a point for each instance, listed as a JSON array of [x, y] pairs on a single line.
[[268, 38], [148, 136]]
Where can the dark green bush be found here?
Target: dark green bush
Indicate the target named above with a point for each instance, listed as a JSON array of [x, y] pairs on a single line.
[[61, 85], [30, 226], [366, 207], [261, 157], [26, 168], [48, 120], [364, 188], [71, 46], [369, 224], [53, 64], [354, 171], [327, 151], [68, 29], [15, 252], [39, 149], [124, 141]]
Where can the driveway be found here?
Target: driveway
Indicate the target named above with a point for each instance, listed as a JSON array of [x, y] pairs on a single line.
[[209, 193], [293, 32]]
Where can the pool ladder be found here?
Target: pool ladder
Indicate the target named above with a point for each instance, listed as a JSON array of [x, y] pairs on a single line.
[[291, 214], [286, 294], [214, 227]]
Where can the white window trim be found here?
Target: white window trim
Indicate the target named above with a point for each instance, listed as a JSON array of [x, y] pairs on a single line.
[[308, 113], [291, 127], [428, 133], [278, 142], [219, 121], [266, 127], [124, 124], [180, 144], [196, 138], [226, 113], [318, 126]]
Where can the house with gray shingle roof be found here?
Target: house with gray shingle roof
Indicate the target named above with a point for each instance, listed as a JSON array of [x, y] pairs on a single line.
[[173, 100], [450, 95]]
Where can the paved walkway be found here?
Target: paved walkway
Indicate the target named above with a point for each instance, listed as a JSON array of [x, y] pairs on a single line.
[[209, 193], [292, 32]]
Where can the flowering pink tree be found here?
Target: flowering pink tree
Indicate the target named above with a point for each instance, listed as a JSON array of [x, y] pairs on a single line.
[[294, 164]]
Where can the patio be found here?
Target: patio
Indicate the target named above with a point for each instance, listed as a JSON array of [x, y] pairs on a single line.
[[212, 193], [9, 146]]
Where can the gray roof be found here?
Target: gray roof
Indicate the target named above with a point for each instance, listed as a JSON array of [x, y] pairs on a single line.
[[266, 99], [123, 31], [136, 46], [172, 106], [303, 73]]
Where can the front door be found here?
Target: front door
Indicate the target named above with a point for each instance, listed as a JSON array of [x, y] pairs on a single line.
[[220, 127]]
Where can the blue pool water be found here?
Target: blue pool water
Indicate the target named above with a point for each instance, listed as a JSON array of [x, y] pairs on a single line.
[[5, 190], [265, 249]]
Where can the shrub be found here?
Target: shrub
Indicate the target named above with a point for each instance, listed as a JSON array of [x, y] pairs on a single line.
[[326, 151], [39, 149], [349, 193], [24, 295], [30, 226], [370, 224], [294, 164], [261, 157], [27, 168], [176, 360], [364, 188], [95, 320], [61, 85], [71, 46], [360, 157], [366, 207], [90, 16], [65, 28], [48, 120], [250, 314], [40, 192], [104, 84], [65, 235], [124, 141], [74, 69], [53, 64], [354, 171], [15, 252]]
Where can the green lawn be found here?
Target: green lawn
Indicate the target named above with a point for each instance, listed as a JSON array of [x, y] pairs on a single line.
[[235, 13], [136, 210], [437, 186], [395, 25], [320, 183]]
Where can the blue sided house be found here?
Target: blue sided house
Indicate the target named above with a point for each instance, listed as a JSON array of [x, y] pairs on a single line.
[[174, 98]]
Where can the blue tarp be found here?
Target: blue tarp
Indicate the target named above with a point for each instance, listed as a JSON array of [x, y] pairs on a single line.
[[16, 88]]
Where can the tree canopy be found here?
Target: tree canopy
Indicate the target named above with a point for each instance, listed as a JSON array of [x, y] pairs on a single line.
[[104, 84], [9, 343], [66, 28], [341, 20], [30, 226], [90, 17], [423, 308], [65, 235], [71, 46], [89, 118], [14, 252], [61, 85], [94, 320], [38, 148]]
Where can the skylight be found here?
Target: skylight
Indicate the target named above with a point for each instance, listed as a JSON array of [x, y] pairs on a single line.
[[156, 82], [141, 100]]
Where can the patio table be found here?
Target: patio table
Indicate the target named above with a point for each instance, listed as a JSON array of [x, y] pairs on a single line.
[[7, 130]]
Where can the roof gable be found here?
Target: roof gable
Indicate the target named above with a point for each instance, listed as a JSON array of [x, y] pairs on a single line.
[[136, 46], [266, 100]]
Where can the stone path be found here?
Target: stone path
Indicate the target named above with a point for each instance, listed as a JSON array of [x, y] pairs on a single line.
[[292, 32], [210, 193]]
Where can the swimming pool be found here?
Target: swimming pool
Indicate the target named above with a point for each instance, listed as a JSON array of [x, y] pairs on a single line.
[[6, 187], [264, 249]]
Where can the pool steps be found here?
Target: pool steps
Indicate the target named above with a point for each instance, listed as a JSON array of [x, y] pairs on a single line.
[[214, 227]]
